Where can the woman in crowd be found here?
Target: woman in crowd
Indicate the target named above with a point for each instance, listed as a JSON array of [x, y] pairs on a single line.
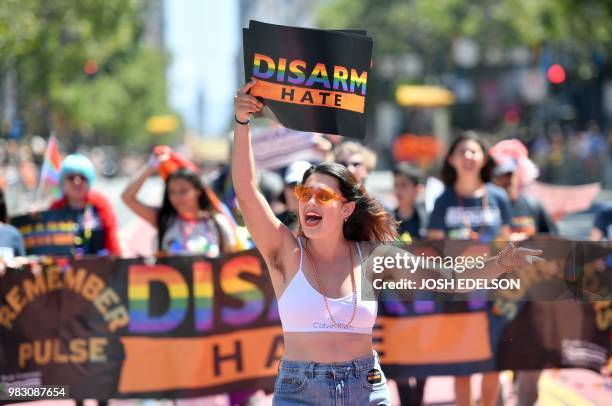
[[187, 222], [471, 209], [97, 224], [317, 276]]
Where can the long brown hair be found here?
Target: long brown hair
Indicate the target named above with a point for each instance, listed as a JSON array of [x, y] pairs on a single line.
[[369, 221], [448, 174], [167, 213]]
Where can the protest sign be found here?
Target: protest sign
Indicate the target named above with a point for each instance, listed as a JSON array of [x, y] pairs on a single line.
[[278, 147], [310, 80]]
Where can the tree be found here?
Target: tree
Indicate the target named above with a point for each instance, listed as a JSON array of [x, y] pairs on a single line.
[[425, 27], [49, 43]]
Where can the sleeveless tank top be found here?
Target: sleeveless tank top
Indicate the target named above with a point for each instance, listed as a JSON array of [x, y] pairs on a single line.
[[302, 308]]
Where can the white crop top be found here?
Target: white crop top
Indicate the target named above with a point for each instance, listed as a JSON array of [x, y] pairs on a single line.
[[302, 308]]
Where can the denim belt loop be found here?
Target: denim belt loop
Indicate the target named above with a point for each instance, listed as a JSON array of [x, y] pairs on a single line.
[[310, 370]]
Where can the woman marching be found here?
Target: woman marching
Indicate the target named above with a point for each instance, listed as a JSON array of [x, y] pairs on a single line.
[[187, 223], [317, 276], [471, 209]]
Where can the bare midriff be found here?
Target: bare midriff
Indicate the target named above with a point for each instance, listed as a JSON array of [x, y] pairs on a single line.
[[327, 347]]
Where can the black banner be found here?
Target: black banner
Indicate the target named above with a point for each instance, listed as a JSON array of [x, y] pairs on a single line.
[[311, 80], [48, 232], [191, 326]]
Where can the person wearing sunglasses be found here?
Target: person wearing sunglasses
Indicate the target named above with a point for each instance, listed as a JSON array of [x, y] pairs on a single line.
[[96, 220], [327, 328], [359, 159], [317, 275]]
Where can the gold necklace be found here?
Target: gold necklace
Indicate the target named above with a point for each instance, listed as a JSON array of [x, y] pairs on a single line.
[[320, 286]]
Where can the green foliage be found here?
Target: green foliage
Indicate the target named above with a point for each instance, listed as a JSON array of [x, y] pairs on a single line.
[[48, 43], [429, 26]]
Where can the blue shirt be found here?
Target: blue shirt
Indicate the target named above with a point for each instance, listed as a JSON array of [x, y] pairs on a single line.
[[10, 240], [457, 216]]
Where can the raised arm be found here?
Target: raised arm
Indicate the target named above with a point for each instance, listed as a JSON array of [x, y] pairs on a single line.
[[148, 213], [267, 231]]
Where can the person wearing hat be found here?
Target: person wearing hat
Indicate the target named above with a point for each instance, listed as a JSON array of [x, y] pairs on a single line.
[[513, 172], [97, 223]]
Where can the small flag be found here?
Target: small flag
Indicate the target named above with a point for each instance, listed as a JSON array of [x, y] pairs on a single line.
[[50, 171]]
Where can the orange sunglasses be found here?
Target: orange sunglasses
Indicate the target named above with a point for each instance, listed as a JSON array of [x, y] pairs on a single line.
[[323, 195]]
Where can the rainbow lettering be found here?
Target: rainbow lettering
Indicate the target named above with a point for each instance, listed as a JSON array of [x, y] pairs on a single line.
[[349, 85], [358, 80], [203, 292], [251, 296], [282, 64], [139, 280], [318, 75], [340, 78], [298, 75], [257, 66]]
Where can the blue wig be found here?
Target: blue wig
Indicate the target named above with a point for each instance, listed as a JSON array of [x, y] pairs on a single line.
[[77, 164]]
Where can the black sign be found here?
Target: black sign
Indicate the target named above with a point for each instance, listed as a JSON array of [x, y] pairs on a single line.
[[310, 80]]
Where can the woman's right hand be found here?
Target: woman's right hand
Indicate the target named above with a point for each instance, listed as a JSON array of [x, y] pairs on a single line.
[[245, 104]]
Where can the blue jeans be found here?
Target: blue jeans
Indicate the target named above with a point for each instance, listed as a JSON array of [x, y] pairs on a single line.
[[357, 382]]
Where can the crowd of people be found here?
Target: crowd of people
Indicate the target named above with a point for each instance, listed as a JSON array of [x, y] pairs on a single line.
[[309, 224]]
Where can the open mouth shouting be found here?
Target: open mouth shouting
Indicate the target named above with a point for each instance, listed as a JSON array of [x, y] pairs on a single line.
[[312, 218]]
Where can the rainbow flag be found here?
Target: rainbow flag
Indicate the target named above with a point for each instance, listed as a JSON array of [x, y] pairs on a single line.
[[50, 171]]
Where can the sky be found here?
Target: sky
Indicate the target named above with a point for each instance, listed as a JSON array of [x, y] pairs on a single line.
[[202, 37]]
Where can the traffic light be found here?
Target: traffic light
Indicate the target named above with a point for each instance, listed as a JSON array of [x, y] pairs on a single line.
[[556, 74]]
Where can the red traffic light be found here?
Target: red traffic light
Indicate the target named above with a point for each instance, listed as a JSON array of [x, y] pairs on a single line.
[[91, 67], [556, 74]]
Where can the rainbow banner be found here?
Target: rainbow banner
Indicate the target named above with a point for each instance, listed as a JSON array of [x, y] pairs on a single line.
[[193, 326], [310, 80]]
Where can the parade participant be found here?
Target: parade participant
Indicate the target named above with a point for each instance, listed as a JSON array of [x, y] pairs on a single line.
[[317, 275], [471, 209], [513, 172], [97, 224], [187, 222], [359, 159]]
